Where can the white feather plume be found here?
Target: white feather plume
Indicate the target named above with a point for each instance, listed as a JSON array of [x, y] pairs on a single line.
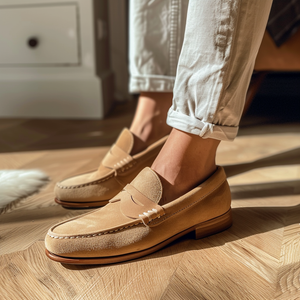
[[17, 184]]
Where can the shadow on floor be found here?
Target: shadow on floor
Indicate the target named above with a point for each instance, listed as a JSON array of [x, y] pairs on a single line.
[[290, 157]]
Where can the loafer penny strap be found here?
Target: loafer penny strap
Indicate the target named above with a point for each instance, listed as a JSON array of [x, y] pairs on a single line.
[[137, 205], [116, 158]]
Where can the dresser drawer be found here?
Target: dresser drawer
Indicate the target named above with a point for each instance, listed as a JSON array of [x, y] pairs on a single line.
[[39, 35]]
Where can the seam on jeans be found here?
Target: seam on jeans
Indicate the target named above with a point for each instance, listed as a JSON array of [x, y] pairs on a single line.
[[223, 77], [179, 29], [230, 62], [173, 36]]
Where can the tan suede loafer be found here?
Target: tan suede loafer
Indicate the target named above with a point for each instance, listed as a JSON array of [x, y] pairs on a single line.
[[133, 224], [118, 168]]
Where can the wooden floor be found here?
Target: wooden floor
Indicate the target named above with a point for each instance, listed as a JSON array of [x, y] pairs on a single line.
[[257, 258]]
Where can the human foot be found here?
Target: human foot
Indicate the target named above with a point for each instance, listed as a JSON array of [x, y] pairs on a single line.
[[185, 161]]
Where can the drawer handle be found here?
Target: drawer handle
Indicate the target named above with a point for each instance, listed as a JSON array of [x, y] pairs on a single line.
[[33, 42]]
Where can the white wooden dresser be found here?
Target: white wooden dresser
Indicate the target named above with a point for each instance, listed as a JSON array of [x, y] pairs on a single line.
[[54, 59]]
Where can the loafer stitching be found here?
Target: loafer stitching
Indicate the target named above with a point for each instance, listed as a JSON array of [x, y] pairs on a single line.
[[121, 170], [92, 235], [85, 184], [124, 168]]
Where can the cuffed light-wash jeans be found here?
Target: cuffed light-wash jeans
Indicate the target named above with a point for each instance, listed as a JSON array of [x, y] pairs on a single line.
[[201, 50]]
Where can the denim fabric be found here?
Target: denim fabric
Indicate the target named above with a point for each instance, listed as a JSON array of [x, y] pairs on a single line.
[[221, 41], [156, 32]]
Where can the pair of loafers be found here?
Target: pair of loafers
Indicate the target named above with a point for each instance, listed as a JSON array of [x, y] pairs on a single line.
[[132, 223]]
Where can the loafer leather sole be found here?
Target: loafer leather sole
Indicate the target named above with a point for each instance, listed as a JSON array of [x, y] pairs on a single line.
[[201, 230], [68, 204]]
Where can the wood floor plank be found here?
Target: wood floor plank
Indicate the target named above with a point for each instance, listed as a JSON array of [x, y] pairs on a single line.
[[288, 281], [18, 160], [20, 229], [255, 147], [18, 282], [61, 281], [255, 259], [140, 279], [209, 273]]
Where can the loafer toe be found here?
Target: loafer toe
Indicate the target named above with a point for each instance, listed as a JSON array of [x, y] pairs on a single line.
[[86, 190]]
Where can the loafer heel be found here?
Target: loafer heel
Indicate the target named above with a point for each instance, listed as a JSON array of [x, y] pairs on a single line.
[[213, 226]]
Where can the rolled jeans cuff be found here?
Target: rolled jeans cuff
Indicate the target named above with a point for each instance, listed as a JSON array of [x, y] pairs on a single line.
[[151, 83], [203, 129]]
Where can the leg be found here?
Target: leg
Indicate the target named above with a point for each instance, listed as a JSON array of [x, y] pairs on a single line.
[[184, 162], [149, 122], [156, 36], [214, 71]]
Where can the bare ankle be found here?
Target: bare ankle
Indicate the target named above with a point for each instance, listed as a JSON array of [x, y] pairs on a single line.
[[149, 123], [184, 162]]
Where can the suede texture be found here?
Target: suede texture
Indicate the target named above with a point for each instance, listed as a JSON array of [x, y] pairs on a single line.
[[110, 231], [151, 187], [116, 170]]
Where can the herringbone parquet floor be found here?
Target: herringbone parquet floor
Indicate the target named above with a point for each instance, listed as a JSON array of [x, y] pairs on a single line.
[[257, 258]]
